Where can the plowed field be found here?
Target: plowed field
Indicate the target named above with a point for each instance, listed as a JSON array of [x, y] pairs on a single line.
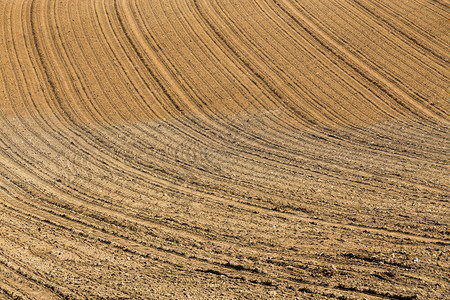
[[224, 149]]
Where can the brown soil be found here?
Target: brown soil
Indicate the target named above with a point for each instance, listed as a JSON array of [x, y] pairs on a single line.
[[224, 149]]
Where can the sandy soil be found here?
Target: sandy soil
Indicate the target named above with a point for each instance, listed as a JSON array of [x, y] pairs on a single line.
[[224, 149]]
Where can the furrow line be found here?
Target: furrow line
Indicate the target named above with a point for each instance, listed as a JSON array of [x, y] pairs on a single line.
[[406, 101]]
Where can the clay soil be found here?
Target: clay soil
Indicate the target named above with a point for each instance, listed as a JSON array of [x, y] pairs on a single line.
[[225, 149]]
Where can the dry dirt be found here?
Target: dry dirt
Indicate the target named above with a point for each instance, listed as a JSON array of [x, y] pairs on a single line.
[[224, 149]]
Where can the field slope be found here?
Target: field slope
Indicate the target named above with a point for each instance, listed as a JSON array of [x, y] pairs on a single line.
[[224, 149]]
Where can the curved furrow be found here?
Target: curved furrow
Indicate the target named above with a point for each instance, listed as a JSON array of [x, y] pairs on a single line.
[[312, 84], [399, 65], [223, 43], [357, 129], [225, 66], [193, 96], [36, 110], [235, 129], [300, 43], [22, 121], [279, 119], [152, 109], [265, 127], [443, 102], [70, 131], [408, 30], [391, 41], [139, 252], [199, 132], [88, 83], [202, 100], [80, 230], [205, 128], [312, 110], [150, 69], [418, 7], [279, 50], [394, 91], [71, 207], [39, 253], [223, 149], [337, 97]]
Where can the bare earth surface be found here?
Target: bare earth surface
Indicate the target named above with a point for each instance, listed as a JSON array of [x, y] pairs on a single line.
[[224, 149]]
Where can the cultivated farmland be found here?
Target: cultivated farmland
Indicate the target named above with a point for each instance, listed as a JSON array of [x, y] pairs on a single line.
[[224, 149]]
